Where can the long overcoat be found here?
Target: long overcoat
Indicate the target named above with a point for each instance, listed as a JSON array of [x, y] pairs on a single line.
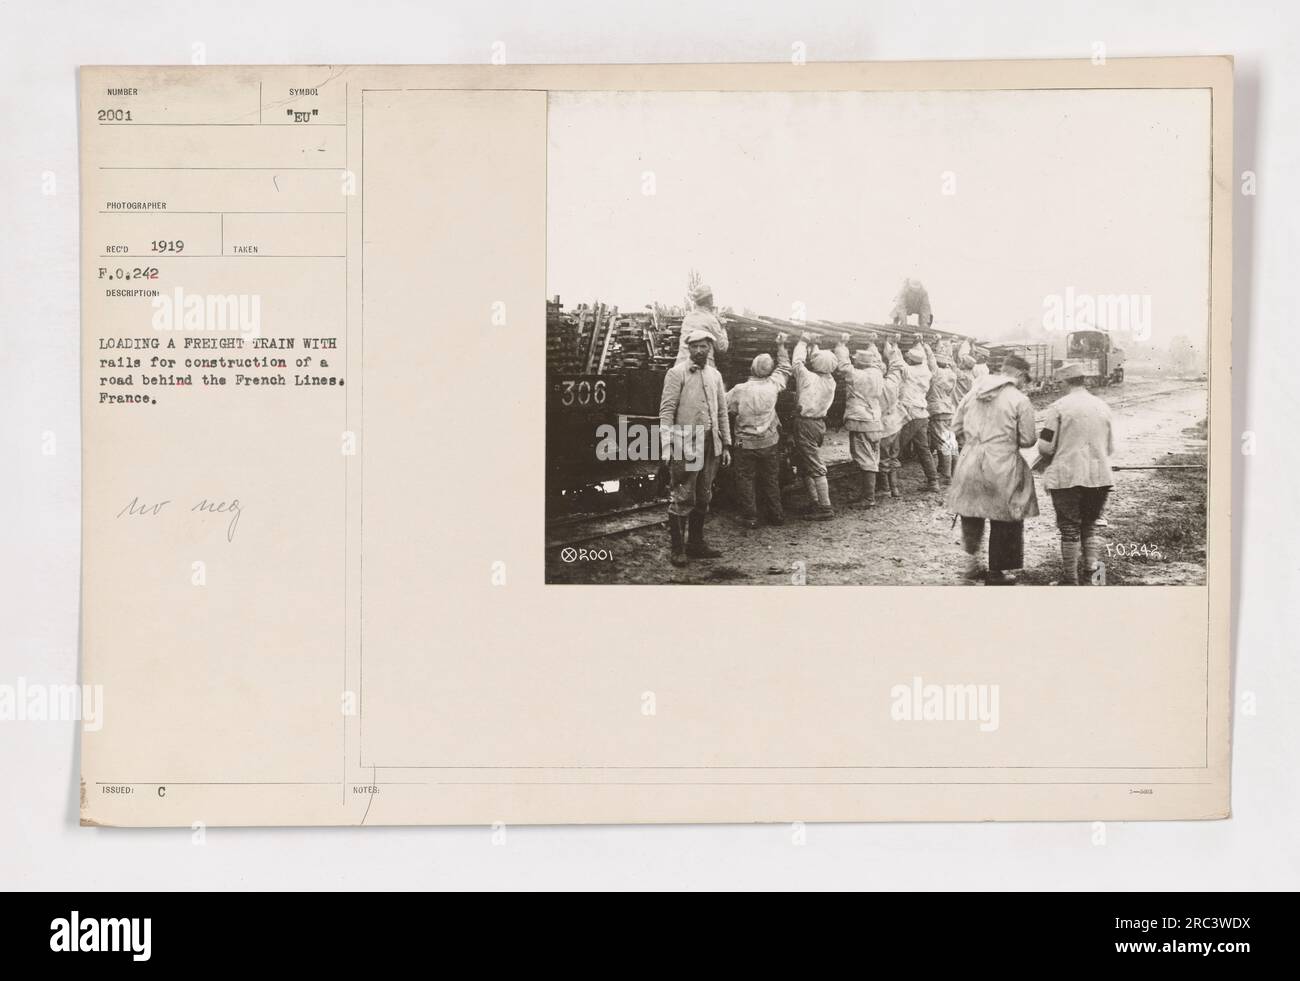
[[992, 479]]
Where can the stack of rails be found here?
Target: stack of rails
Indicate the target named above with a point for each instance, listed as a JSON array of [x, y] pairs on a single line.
[[596, 323], [667, 338], [583, 317], [594, 339], [862, 334], [749, 337], [635, 349], [562, 339]]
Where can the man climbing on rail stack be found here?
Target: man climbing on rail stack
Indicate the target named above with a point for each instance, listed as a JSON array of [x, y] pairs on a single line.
[[703, 318], [1079, 440], [864, 376], [758, 435], [912, 299], [695, 436], [814, 378]]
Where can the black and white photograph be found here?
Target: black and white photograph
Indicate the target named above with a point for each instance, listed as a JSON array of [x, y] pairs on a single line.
[[878, 338]]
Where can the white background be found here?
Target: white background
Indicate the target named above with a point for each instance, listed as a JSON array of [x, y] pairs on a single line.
[[41, 845]]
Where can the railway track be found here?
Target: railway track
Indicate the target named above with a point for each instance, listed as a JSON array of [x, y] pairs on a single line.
[[580, 529]]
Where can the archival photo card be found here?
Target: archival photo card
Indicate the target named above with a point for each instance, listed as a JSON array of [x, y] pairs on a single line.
[[389, 371]]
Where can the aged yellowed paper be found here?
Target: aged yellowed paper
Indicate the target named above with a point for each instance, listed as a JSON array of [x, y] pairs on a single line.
[[340, 565]]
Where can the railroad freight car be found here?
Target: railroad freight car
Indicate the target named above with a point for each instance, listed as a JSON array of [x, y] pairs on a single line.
[[604, 378]]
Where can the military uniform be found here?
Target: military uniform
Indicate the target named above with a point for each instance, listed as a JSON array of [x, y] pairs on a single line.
[[757, 437], [1077, 434]]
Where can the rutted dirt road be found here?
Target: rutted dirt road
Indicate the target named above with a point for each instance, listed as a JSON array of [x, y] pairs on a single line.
[[913, 540]]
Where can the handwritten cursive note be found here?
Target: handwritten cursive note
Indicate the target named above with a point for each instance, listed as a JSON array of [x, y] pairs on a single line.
[[138, 509]]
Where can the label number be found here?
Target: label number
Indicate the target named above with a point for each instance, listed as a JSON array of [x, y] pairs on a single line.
[[582, 392]]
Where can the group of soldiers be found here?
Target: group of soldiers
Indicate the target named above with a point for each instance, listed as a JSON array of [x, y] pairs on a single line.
[[965, 426]]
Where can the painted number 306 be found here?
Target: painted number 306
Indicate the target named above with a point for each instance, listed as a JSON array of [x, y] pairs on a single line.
[[582, 393]]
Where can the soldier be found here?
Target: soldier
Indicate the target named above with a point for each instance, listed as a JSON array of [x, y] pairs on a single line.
[[891, 417], [758, 435], [1078, 438], [992, 481], [941, 402], [814, 378], [965, 372], [864, 412], [702, 317], [918, 369], [913, 298], [695, 436]]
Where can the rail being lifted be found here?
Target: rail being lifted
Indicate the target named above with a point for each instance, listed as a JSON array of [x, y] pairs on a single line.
[[596, 339], [751, 336]]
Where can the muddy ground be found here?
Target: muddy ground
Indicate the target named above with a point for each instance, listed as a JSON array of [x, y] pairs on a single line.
[[1156, 532]]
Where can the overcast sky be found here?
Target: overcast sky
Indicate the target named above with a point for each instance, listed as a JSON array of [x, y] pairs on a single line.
[[831, 199]]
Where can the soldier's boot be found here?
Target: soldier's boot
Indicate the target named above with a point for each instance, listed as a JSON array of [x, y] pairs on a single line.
[[1069, 563], [945, 468], [823, 512], [931, 476], [695, 545], [972, 568], [893, 484], [1092, 558], [867, 499], [679, 546], [810, 485]]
